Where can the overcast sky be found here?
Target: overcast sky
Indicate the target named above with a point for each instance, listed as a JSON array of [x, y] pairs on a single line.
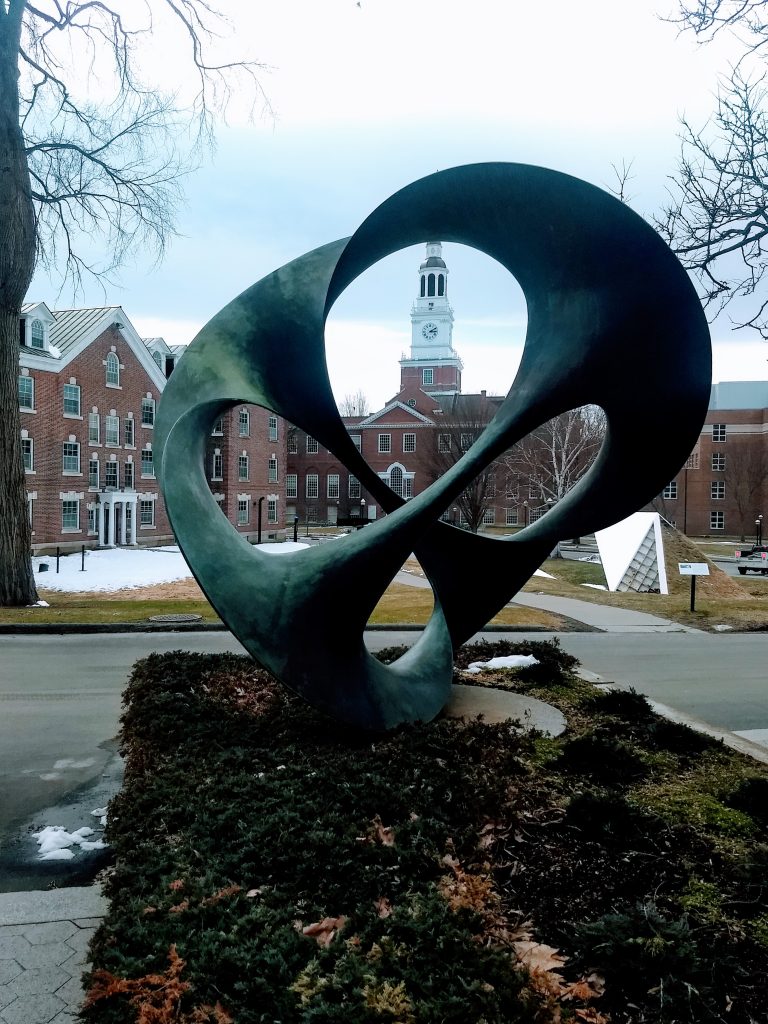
[[368, 97]]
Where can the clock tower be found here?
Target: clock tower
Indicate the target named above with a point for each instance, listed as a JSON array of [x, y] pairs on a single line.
[[434, 364]]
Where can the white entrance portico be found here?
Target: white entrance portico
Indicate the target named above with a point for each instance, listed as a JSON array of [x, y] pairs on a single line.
[[116, 509]]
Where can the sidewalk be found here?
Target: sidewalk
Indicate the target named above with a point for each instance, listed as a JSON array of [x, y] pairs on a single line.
[[602, 616], [43, 944]]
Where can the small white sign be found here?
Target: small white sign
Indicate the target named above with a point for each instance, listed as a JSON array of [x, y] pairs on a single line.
[[693, 568]]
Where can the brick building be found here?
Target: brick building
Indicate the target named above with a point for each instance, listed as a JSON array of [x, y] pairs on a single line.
[[723, 488], [417, 435], [88, 390]]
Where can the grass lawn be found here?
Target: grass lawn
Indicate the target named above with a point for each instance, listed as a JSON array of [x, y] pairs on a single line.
[[272, 867]]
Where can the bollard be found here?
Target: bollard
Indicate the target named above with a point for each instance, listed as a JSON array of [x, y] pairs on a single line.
[[82, 559], [58, 552]]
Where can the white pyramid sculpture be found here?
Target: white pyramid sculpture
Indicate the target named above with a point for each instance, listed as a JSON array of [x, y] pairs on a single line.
[[632, 553]]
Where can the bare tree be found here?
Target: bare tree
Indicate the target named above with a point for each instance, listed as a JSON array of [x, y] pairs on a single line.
[[706, 18], [462, 421], [354, 404], [552, 459], [716, 219], [71, 169], [746, 471]]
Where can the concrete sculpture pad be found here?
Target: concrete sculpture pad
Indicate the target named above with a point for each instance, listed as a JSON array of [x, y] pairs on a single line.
[[500, 705], [612, 321]]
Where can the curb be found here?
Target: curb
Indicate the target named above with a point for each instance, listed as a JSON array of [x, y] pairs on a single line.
[[38, 628]]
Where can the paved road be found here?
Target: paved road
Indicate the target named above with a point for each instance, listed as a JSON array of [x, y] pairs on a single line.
[[60, 695]]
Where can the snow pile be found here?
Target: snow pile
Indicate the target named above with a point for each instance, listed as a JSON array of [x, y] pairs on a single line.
[[540, 572], [595, 586], [55, 842], [122, 568], [509, 661]]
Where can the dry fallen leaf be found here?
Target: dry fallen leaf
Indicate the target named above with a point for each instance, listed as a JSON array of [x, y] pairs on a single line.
[[324, 931], [538, 957], [176, 884], [383, 833], [383, 906]]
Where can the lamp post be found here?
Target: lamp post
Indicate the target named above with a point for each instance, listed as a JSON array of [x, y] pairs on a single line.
[[258, 533], [759, 531], [362, 512], [455, 515], [525, 506]]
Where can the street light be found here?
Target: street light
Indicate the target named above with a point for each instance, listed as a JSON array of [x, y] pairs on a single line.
[[759, 531], [362, 512]]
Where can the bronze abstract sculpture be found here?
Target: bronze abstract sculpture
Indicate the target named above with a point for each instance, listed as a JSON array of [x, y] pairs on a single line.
[[612, 321]]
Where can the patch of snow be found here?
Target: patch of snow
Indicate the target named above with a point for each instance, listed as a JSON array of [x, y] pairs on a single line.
[[723, 627], [595, 586], [99, 811], [50, 776], [54, 351], [124, 568], [69, 762], [509, 661], [540, 572], [57, 855], [39, 604], [55, 842]]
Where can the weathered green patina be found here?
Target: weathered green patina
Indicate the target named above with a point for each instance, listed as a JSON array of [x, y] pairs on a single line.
[[612, 321]]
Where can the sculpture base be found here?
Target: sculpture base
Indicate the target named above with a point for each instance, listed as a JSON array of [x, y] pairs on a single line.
[[501, 705]]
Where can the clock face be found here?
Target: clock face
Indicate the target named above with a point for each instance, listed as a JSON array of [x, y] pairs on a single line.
[[429, 331]]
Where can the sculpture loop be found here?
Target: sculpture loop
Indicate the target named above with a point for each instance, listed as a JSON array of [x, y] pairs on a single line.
[[612, 321]]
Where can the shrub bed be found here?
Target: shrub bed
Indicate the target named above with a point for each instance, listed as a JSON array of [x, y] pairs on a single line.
[[272, 867]]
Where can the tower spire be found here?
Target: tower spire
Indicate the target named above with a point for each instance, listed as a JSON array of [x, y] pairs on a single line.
[[433, 364]]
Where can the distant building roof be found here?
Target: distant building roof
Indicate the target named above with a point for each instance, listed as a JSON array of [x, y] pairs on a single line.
[[71, 324], [739, 394]]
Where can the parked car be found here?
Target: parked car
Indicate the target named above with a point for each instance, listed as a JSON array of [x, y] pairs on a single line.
[[754, 559]]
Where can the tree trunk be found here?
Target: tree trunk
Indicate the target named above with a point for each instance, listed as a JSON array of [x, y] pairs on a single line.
[[17, 260]]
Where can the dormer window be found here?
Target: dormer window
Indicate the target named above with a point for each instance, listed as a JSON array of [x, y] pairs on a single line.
[[37, 335]]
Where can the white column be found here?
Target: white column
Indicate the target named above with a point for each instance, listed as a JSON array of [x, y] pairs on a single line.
[[111, 530], [123, 524], [100, 523], [134, 520]]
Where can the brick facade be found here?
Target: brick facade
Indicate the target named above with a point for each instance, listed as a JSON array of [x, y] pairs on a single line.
[[88, 397]]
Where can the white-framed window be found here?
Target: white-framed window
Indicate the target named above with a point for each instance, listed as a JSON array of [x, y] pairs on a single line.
[[718, 434], [70, 457], [70, 515], [409, 442], [272, 428], [91, 519], [534, 490], [146, 513], [28, 454], [312, 485], [353, 487], [692, 462], [670, 491], [333, 485], [272, 469], [427, 375], [489, 517], [71, 399], [535, 513], [293, 443], [147, 462], [717, 490], [396, 480], [312, 514], [37, 335], [157, 356], [128, 475], [312, 445], [291, 485], [112, 370], [357, 441], [465, 442], [111, 474], [93, 472], [147, 412], [129, 432], [112, 430], [243, 508], [244, 423], [242, 467], [718, 462], [218, 427], [26, 392], [512, 487], [443, 443], [94, 430], [271, 510], [717, 520], [385, 442], [510, 517], [217, 466]]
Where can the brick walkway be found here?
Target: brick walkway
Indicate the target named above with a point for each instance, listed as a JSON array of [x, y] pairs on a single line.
[[43, 951]]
